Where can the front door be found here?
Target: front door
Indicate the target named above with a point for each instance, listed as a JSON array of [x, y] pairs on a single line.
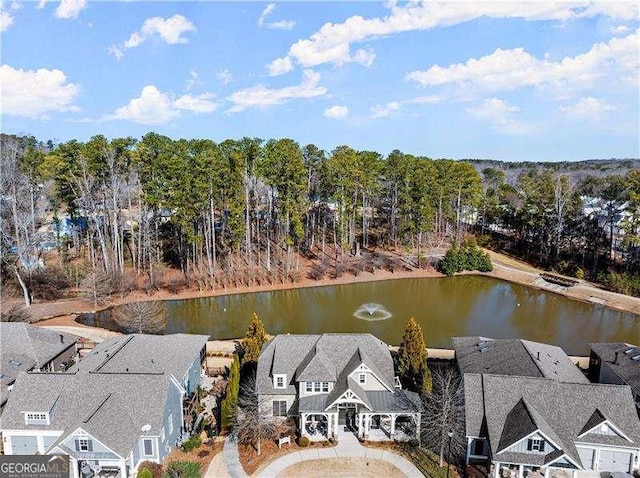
[[347, 415]]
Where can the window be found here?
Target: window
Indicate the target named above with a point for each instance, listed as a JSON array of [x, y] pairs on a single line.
[[478, 447], [33, 418], [535, 444], [362, 378], [83, 444], [148, 446], [36, 416], [325, 386], [309, 386], [316, 386], [279, 408], [280, 381], [170, 423], [162, 436]]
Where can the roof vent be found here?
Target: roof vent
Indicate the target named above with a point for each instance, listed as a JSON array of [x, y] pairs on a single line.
[[484, 349], [146, 428], [628, 351], [636, 358], [482, 343]]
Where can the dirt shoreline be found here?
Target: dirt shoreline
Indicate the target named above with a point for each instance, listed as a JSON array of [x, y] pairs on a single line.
[[64, 313]]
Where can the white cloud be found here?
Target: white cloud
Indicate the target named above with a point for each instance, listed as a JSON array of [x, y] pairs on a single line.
[[588, 108], [193, 80], [171, 30], [429, 99], [511, 69], [336, 112], [154, 107], [620, 30], [225, 77], [70, 8], [6, 20], [197, 104], [280, 66], [15, 6], [332, 43], [34, 93], [380, 111], [279, 25], [500, 114], [262, 96], [115, 51], [41, 4]]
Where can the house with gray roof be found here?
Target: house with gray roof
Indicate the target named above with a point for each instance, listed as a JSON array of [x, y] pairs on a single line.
[[25, 347], [333, 383], [536, 426], [616, 363], [529, 411], [119, 406]]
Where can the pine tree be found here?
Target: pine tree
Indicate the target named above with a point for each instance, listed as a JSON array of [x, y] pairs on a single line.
[[254, 338], [229, 405], [412, 359]]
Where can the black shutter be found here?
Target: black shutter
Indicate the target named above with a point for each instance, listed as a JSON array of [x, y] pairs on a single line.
[[77, 445], [529, 444]]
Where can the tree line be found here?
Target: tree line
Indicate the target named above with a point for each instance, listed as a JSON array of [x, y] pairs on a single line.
[[249, 211]]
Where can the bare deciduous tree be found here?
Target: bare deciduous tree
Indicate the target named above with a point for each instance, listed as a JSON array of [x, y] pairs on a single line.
[[444, 413], [14, 313], [255, 421], [148, 317]]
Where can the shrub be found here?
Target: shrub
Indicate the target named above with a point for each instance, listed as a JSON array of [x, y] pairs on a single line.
[[154, 468], [182, 469], [145, 473], [467, 257], [303, 442], [191, 444]]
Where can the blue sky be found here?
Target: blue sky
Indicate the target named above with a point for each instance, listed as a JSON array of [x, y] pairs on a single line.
[[501, 80]]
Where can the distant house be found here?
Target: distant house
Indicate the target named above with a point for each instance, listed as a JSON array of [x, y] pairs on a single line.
[[333, 383], [529, 411], [617, 363], [122, 404], [25, 347]]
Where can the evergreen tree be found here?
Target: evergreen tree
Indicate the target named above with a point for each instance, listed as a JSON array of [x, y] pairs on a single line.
[[254, 338], [412, 359], [229, 405]]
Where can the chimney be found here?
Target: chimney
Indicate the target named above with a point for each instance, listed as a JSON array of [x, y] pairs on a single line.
[[61, 338], [615, 360]]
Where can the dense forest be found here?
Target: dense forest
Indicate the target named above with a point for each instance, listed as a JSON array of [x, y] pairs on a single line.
[[108, 216]]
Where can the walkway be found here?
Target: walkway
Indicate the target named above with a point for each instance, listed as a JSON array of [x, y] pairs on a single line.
[[91, 333]]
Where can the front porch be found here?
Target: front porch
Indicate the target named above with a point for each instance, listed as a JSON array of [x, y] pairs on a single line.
[[512, 470], [99, 469]]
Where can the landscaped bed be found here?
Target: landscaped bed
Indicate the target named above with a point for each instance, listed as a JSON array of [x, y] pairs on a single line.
[[425, 460], [269, 451], [201, 455], [339, 467]]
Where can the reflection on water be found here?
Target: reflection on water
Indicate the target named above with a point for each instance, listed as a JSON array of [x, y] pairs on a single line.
[[445, 307]]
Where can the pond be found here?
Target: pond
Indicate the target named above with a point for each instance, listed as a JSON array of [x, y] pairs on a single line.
[[444, 307]]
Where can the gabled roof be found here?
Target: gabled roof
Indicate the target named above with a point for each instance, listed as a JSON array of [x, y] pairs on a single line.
[[516, 357], [111, 394], [25, 347], [559, 410], [625, 367], [314, 357], [595, 419]]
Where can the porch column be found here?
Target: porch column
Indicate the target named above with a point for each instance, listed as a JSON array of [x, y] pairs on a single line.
[[496, 470], [367, 425], [73, 464], [547, 472], [574, 474], [393, 424], [418, 434], [303, 424], [123, 467], [521, 471]]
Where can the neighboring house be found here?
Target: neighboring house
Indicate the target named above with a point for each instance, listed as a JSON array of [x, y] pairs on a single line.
[[522, 358], [25, 347], [529, 411], [533, 427], [334, 382], [616, 363], [122, 404]]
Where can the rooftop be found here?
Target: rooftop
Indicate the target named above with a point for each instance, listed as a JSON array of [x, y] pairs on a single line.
[[627, 367]]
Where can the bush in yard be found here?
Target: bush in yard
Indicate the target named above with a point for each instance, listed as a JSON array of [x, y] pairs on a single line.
[[303, 442], [191, 444], [154, 468], [145, 473], [182, 469]]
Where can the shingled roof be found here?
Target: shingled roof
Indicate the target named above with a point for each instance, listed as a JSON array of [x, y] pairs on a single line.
[[516, 357], [560, 410], [321, 358], [25, 347], [627, 367]]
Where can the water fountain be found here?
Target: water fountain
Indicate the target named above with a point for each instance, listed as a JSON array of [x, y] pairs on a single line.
[[372, 312]]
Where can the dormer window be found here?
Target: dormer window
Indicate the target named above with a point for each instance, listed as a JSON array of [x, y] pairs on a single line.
[[36, 418], [280, 380], [362, 378]]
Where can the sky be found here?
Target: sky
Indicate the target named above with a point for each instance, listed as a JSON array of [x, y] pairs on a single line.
[[500, 80]]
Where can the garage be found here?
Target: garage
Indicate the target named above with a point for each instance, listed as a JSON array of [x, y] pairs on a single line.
[[615, 461], [587, 457]]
